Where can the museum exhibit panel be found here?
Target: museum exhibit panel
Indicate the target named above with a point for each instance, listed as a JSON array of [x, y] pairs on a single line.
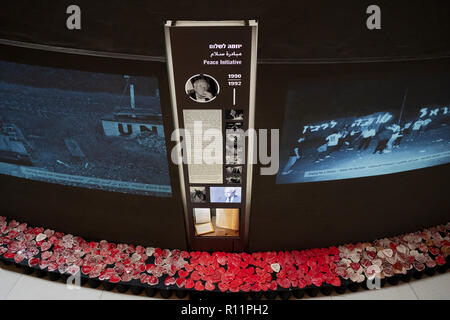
[[187, 151], [212, 88]]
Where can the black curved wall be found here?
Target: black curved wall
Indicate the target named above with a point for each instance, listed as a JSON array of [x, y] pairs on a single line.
[[318, 214], [288, 30]]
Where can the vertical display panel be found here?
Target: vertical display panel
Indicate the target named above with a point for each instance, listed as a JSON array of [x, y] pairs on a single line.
[[212, 71]]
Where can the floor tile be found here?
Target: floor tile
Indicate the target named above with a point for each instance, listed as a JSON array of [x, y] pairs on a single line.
[[108, 295], [401, 291], [28, 288], [8, 280], [435, 287], [15, 285]]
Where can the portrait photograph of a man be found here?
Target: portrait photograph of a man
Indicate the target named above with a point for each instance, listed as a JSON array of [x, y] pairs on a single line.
[[202, 88]]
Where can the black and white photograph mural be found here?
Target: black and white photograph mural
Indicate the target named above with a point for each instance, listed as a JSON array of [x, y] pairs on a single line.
[[93, 130], [343, 129]]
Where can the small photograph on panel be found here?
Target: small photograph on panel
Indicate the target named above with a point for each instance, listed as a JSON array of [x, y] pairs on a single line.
[[235, 139], [198, 194], [202, 215], [233, 170], [234, 149], [234, 114], [225, 194], [227, 221], [216, 222], [234, 158], [234, 126], [202, 221], [233, 179], [232, 139], [202, 88]]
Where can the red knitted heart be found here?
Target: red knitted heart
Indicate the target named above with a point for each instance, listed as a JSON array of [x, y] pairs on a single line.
[[273, 285], [114, 279], [33, 262], [86, 269], [223, 286], [152, 280], [9, 255], [169, 281], [209, 286], [434, 251], [284, 282], [189, 284], [180, 282], [440, 260], [355, 266], [189, 267], [246, 287], [18, 257], [183, 273], [199, 286], [336, 282]]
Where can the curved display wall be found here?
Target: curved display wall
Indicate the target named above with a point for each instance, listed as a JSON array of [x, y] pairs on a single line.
[[363, 118], [79, 164]]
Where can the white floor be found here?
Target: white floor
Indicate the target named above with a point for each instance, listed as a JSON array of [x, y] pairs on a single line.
[[17, 286]]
